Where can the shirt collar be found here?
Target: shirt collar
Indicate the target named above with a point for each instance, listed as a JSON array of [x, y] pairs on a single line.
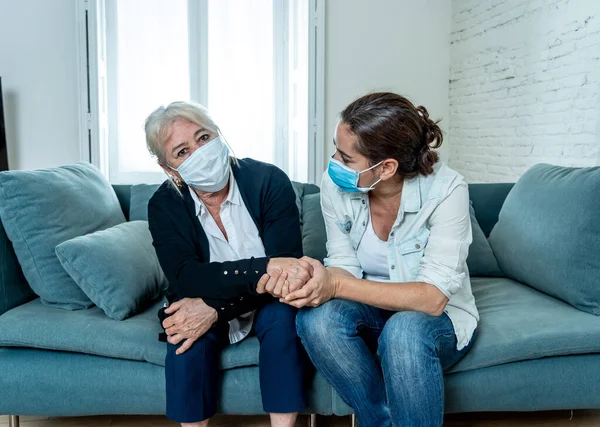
[[234, 197], [411, 194]]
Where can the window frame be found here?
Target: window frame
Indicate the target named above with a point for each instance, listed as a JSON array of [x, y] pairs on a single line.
[[98, 115]]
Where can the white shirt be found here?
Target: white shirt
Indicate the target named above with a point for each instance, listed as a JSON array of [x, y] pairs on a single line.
[[429, 241], [244, 242], [372, 256]]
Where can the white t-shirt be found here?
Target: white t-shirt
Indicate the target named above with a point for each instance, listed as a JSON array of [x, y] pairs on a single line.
[[372, 255], [244, 242]]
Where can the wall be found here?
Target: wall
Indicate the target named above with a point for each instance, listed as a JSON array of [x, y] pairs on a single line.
[[386, 45], [524, 86], [38, 66]]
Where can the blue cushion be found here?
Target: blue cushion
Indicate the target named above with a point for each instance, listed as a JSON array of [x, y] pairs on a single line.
[[140, 196], [481, 260], [91, 331], [519, 323], [41, 209], [314, 234], [548, 234], [117, 268]]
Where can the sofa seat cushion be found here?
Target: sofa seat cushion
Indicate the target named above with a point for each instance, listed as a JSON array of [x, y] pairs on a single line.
[[520, 323], [90, 331]]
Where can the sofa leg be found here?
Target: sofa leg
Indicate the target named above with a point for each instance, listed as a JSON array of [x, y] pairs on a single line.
[[353, 422], [312, 420], [13, 421]]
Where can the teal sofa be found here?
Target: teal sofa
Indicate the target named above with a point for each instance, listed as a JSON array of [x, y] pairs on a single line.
[[534, 352]]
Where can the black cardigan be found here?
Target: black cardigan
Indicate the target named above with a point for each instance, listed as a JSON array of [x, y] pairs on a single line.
[[182, 246]]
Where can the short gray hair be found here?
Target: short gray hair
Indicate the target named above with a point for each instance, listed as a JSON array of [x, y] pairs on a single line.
[[158, 124]]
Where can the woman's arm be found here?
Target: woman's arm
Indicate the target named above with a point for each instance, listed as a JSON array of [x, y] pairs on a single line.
[[187, 273], [340, 252], [440, 275], [411, 296]]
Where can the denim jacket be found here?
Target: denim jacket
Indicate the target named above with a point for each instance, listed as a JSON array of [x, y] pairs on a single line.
[[429, 241]]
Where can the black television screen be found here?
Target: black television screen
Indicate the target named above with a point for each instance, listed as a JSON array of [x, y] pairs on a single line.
[[3, 153]]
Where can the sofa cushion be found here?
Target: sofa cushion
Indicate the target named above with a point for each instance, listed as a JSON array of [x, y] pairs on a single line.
[[548, 234], [140, 196], [314, 234], [520, 323], [40, 209], [117, 268], [481, 260], [90, 331]]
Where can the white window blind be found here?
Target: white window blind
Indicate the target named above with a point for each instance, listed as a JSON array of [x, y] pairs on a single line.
[[249, 62]]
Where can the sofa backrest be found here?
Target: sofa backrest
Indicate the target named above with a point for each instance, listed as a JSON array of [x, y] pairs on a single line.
[[14, 290], [487, 201]]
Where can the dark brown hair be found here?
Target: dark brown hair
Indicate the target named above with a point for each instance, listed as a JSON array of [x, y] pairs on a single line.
[[389, 126]]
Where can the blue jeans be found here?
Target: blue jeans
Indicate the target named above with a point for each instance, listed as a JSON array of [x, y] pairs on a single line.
[[388, 366]]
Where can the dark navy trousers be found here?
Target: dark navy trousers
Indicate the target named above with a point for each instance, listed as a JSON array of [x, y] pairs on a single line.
[[192, 378]]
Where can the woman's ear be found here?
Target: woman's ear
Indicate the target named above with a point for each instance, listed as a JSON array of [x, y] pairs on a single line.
[[388, 169]]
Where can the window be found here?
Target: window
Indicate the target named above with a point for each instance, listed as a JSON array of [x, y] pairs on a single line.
[[249, 62]]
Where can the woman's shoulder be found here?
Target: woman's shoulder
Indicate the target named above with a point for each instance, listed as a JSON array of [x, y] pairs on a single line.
[[166, 193], [257, 172], [444, 175]]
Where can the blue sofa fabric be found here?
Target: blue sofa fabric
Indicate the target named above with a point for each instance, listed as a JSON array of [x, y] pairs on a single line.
[[40, 209], [548, 234], [117, 268]]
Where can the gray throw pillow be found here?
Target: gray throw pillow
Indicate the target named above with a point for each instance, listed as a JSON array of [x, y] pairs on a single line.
[[117, 268], [548, 234], [43, 208]]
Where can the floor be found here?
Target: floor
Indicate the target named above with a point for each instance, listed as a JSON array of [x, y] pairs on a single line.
[[542, 419]]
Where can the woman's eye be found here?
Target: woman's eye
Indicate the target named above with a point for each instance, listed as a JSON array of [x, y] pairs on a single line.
[[204, 137], [182, 152]]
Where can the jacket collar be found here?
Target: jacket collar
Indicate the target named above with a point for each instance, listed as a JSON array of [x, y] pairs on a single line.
[[411, 195]]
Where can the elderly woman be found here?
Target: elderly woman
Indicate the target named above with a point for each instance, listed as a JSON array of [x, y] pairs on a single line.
[[400, 308], [221, 228]]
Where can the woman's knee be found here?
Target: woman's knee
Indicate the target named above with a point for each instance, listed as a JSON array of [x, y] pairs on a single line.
[[407, 333], [327, 321]]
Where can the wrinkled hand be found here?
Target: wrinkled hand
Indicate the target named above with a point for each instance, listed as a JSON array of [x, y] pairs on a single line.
[[189, 319], [318, 290], [284, 275]]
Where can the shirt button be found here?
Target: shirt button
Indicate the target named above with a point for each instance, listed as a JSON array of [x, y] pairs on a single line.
[[237, 272], [245, 272], [231, 304], [225, 273], [364, 223], [241, 298], [418, 246], [393, 267], [364, 202], [222, 308]]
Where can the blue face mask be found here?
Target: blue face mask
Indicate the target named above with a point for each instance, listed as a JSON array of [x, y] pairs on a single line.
[[347, 178]]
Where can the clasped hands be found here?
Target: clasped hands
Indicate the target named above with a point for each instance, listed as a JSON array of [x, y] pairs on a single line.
[[297, 282]]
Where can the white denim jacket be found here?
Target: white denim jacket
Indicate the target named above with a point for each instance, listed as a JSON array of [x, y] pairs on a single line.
[[429, 241]]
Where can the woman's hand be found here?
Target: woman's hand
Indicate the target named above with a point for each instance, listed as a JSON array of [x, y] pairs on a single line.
[[319, 289], [189, 319], [284, 275]]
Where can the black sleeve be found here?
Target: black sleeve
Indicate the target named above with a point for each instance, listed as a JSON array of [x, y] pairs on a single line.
[[281, 227], [186, 271]]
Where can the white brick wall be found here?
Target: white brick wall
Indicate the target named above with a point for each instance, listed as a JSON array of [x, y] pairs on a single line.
[[524, 86]]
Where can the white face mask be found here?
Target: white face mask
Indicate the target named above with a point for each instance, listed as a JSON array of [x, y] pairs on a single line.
[[207, 169]]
